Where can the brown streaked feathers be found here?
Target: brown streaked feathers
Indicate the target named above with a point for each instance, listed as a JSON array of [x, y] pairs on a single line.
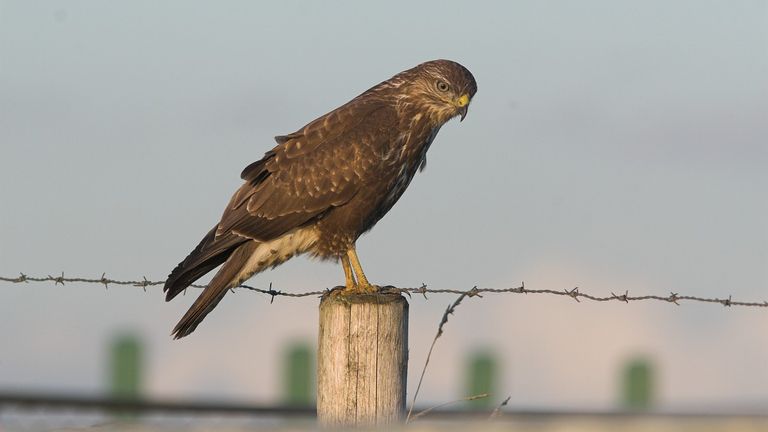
[[326, 184]]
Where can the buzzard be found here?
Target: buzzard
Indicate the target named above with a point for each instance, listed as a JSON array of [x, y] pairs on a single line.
[[326, 184]]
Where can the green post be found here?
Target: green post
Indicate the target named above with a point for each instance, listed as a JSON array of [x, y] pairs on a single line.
[[638, 384], [298, 388], [125, 370], [126, 367], [482, 377]]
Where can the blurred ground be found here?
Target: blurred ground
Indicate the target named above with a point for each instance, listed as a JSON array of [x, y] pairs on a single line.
[[524, 423], [571, 425]]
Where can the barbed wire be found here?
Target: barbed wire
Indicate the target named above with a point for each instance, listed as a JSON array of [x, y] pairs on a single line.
[[573, 293]]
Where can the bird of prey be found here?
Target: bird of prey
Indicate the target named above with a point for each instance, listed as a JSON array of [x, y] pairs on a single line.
[[326, 184]]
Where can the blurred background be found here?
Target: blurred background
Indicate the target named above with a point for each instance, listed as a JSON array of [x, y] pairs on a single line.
[[612, 146]]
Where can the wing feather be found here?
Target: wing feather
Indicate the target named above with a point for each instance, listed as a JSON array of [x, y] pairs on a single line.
[[309, 172]]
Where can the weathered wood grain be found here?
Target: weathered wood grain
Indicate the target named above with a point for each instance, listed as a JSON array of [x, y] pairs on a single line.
[[362, 360]]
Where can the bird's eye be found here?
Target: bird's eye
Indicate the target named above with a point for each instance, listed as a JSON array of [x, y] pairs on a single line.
[[442, 86]]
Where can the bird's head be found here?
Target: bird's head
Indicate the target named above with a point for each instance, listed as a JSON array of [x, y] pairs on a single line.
[[441, 89]]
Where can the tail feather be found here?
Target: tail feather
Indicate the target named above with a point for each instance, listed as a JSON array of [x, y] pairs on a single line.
[[209, 254], [227, 277]]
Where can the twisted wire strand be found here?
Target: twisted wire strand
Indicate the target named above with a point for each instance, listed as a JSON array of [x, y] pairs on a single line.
[[574, 293]]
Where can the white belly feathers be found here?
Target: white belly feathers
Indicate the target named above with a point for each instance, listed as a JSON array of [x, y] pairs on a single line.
[[277, 251]]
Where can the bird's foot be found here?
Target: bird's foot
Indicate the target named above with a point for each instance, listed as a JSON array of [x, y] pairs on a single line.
[[337, 290], [391, 289], [356, 289], [363, 293], [367, 288]]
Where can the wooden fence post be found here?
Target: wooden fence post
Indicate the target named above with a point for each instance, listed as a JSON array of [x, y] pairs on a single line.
[[362, 360]]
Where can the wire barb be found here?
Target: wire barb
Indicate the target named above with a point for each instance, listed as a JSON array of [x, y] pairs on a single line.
[[423, 290], [574, 294], [673, 298], [58, 280], [623, 298], [474, 292], [105, 281], [272, 293], [521, 289]]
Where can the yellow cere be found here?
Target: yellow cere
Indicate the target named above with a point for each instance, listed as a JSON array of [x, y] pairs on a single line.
[[463, 100]]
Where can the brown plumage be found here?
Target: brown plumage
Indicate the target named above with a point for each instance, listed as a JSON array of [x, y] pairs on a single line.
[[326, 184]]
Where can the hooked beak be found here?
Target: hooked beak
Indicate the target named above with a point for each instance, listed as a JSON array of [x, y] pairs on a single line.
[[463, 104]]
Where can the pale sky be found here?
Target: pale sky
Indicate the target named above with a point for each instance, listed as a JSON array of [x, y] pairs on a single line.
[[611, 146]]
